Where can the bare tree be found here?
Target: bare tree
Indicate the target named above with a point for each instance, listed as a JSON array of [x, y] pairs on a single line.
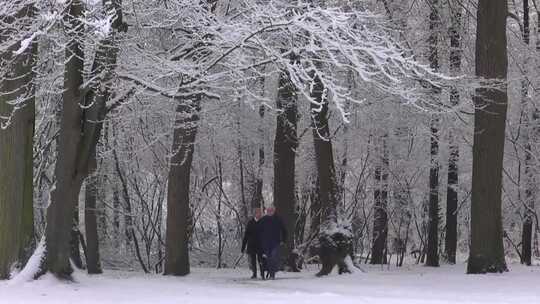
[[453, 160], [432, 258], [178, 204], [75, 148], [528, 113], [491, 102], [285, 144], [380, 197]]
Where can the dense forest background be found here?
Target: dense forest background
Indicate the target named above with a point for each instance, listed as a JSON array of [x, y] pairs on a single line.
[[140, 134]]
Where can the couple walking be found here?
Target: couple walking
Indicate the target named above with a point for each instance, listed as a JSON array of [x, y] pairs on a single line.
[[263, 237]]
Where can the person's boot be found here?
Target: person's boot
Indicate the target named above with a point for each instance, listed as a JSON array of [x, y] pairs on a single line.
[[254, 276], [272, 276]]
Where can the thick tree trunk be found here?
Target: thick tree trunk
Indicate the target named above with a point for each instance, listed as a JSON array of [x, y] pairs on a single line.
[[487, 250], [324, 157], [380, 196], [450, 241], [285, 144], [93, 263], [16, 166], [64, 196], [178, 209], [75, 147], [335, 247], [432, 258]]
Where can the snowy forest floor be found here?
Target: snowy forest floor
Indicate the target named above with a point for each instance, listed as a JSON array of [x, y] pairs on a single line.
[[406, 285]]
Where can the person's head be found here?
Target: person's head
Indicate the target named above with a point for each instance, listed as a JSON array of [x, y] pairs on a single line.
[[257, 213], [270, 211]]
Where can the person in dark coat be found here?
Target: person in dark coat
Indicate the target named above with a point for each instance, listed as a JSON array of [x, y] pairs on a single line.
[[272, 235], [252, 243]]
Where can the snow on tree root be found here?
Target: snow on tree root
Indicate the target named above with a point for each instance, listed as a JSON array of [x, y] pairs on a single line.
[[335, 248], [32, 268]]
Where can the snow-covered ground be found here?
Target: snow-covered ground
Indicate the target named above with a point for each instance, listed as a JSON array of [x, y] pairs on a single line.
[[415, 284]]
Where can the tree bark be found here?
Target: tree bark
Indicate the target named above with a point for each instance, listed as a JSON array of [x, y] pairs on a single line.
[[257, 200], [380, 196], [536, 133], [527, 227], [59, 220], [432, 258], [324, 157], [334, 246], [453, 177], [16, 159], [178, 204], [285, 144], [93, 263], [314, 210], [75, 243], [487, 250], [75, 147]]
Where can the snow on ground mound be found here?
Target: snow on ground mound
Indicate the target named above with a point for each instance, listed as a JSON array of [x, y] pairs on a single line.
[[379, 286], [32, 266]]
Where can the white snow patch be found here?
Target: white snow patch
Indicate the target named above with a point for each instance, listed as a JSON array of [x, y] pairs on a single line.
[[406, 285], [32, 267], [25, 43], [50, 16], [102, 27], [350, 265]]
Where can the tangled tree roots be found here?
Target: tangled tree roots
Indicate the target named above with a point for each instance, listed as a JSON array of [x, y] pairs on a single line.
[[334, 247], [294, 262]]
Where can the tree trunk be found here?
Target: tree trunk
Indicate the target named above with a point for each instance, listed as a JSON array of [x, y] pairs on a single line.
[[380, 196], [453, 178], [285, 144], [93, 263], [75, 147], [245, 210], [257, 200], [536, 132], [16, 159], [64, 196], [432, 258], [219, 215], [74, 243], [487, 250], [335, 247], [178, 208], [314, 212], [324, 157], [526, 233]]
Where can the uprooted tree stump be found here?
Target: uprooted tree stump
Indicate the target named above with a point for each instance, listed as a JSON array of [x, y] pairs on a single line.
[[294, 261], [335, 247]]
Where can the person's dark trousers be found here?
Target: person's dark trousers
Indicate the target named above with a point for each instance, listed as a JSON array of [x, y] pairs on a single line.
[[254, 259], [272, 262]]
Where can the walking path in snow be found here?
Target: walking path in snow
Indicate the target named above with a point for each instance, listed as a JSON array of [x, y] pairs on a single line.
[[407, 285]]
